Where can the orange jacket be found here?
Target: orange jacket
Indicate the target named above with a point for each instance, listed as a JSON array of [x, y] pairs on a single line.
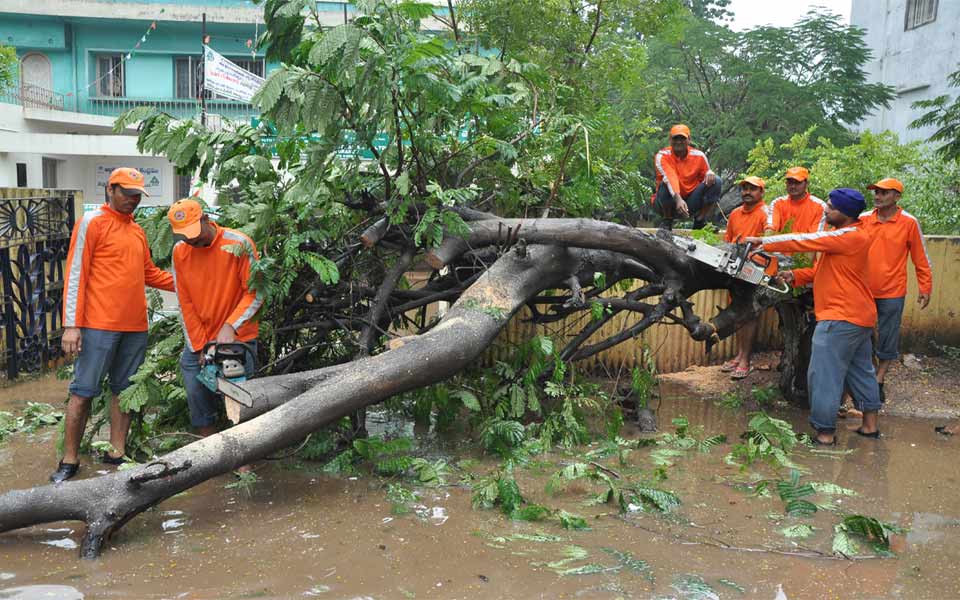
[[681, 174], [892, 240], [108, 265], [841, 291], [212, 288], [746, 223], [804, 215]]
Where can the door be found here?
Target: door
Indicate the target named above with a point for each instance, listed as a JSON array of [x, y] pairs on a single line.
[[36, 81]]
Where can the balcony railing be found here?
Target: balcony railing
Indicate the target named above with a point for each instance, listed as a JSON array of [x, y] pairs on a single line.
[[218, 111]]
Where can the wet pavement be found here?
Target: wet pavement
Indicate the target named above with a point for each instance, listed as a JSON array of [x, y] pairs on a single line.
[[301, 534]]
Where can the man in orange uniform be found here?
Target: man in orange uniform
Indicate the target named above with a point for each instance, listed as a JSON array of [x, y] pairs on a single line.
[[842, 349], [105, 311], [896, 233], [747, 220], [798, 211], [685, 184], [216, 302]]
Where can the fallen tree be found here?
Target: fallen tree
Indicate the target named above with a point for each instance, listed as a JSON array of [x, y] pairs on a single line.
[[301, 403]]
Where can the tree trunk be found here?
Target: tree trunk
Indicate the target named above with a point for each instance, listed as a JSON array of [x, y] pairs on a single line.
[[106, 503], [562, 252]]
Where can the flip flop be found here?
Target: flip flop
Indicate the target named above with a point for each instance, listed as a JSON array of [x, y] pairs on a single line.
[[739, 373], [729, 366], [942, 430], [817, 442], [875, 435]]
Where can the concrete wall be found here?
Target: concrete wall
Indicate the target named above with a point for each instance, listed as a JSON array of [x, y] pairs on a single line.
[[915, 62]]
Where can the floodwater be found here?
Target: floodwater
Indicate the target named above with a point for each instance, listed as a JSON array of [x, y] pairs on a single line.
[[301, 534]]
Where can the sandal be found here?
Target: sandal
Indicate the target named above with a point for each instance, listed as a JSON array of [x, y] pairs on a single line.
[[106, 459], [942, 430], [729, 366], [874, 434], [816, 441], [740, 373]]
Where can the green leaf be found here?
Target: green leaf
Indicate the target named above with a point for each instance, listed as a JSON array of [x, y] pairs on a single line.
[[661, 500], [416, 10], [843, 544], [324, 267], [800, 508], [572, 521], [332, 41], [800, 531], [832, 489], [268, 94], [468, 398]]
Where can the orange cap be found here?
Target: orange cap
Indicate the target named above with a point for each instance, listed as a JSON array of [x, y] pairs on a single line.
[[128, 178], [798, 173], [680, 129], [887, 184], [755, 181], [185, 218]]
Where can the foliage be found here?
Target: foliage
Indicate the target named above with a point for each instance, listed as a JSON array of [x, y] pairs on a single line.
[[33, 417], [643, 379], [930, 182], [625, 495], [768, 440], [8, 66], [862, 528], [792, 493], [733, 88], [401, 498], [945, 116], [708, 235]]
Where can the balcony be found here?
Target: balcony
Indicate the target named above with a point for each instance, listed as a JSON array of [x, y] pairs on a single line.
[[219, 111]]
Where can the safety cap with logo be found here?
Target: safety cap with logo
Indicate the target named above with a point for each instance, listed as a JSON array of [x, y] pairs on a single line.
[[185, 218], [887, 184], [681, 130], [129, 179], [798, 173], [754, 180]]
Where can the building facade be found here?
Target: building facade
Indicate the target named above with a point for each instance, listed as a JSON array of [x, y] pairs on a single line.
[[83, 62], [916, 45]]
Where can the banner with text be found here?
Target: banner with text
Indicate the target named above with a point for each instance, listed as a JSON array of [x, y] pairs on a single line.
[[227, 79]]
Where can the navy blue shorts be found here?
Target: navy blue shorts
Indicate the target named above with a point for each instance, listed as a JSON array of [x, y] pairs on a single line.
[[889, 315], [117, 354], [204, 404]]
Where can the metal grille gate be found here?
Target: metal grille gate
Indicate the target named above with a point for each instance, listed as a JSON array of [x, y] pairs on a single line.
[[35, 228]]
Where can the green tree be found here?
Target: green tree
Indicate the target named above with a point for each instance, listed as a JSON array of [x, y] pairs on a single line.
[[733, 88], [931, 188], [945, 115], [8, 66]]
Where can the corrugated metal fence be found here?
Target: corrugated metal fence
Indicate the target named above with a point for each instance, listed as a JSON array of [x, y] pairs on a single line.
[[674, 350]]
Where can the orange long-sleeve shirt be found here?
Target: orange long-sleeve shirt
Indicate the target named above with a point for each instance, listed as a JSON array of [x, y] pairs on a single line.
[[804, 215], [108, 265], [212, 288], [746, 223], [892, 241], [841, 291], [680, 174]]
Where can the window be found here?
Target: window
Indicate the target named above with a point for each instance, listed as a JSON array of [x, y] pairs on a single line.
[[188, 71], [50, 172], [920, 12], [21, 174], [110, 78]]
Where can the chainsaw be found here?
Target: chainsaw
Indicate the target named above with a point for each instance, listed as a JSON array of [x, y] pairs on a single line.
[[224, 366], [735, 261]]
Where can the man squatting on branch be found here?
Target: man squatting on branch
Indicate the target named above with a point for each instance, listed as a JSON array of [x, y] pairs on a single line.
[[216, 302], [841, 353], [747, 220], [685, 185], [105, 312]]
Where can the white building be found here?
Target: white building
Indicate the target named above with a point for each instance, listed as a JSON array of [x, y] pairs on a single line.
[[916, 45]]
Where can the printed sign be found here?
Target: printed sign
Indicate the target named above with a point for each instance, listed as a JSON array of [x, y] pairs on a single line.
[[152, 182], [223, 77]]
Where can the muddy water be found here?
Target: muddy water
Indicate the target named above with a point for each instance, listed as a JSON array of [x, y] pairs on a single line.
[[301, 534]]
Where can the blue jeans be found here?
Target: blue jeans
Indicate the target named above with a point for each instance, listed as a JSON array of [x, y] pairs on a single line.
[[204, 404], [889, 315], [701, 196], [841, 356], [117, 354]]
